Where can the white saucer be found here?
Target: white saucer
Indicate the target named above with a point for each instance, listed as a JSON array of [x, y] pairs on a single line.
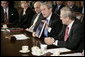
[[36, 54], [22, 51]]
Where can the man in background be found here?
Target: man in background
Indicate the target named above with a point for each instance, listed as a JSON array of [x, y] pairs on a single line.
[[36, 18], [9, 15]]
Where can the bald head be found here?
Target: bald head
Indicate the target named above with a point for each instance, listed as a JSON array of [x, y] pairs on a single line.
[[24, 4], [37, 7]]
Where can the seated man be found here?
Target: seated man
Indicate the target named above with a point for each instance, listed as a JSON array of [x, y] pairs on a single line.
[[53, 23], [9, 14], [72, 35], [72, 5], [36, 18], [58, 6], [26, 15]]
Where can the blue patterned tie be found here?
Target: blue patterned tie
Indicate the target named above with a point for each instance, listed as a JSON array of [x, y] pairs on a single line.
[[46, 30]]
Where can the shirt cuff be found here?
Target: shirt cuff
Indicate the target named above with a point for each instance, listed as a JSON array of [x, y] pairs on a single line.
[[49, 29], [55, 43]]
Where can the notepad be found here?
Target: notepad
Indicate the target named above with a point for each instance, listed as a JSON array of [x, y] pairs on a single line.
[[20, 37]]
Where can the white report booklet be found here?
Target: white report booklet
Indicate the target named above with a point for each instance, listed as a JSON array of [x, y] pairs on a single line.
[[20, 37]]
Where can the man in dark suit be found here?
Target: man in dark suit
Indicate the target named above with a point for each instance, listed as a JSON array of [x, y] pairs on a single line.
[[9, 15], [72, 35], [36, 18], [26, 15], [53, 23], [57, 7], [72, 5], [82, 7]]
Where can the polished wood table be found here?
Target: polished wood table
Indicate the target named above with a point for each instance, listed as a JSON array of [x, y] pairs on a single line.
[[11, 46]]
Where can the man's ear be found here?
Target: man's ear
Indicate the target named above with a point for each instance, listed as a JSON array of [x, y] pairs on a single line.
[[67, 18]]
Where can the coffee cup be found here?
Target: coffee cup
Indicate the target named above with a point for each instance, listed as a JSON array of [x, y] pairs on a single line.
[[25, 48], [5, 26], [43, 46]]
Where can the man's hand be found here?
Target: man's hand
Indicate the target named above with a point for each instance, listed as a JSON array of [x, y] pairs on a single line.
[[49, 40], [33, 34], [27, 29]]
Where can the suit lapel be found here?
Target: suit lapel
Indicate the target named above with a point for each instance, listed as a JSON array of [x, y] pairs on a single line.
[[50, 22], [72, 28]]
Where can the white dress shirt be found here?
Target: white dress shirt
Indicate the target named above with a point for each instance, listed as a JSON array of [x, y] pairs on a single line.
[[59, 6], [6, 10], [24, 11], [36, 18], [83, 10], [70, 26], [48, 18]]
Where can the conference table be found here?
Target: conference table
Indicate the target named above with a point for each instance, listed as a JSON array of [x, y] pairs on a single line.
[[11, 47]]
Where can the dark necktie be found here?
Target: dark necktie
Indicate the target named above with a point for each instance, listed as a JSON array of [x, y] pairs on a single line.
[[56, 9], [5, 17], [66, 34]]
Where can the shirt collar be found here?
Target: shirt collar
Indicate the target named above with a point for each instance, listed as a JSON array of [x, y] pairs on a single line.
[[49, 17], [70, 25], [6, 10]]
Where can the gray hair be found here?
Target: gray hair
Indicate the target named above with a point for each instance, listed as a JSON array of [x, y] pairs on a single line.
[[47, 4], [68, 13], [38, 2]]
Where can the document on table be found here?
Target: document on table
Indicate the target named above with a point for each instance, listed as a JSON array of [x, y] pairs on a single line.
[[20, 37], [72, 54], [58, 49]]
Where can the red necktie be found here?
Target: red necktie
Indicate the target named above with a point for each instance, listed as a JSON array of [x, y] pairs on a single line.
[[66, 34]]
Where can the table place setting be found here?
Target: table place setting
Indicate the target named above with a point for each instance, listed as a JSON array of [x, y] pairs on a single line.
[[36, 51], [4, 27], [25, 49]]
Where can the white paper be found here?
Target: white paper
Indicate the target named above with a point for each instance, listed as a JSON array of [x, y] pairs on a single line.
[[20, 37], [59, 49], [64, 50], [72, 54]]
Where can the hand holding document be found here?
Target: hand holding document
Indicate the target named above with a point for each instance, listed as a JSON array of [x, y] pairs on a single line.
[[34, 34], [20, 37], [30, 29]]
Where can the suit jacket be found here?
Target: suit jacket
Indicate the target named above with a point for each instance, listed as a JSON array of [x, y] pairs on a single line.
[[25, 20], [38, 21], [56, 25], [58, 11], [75, 40], [12, 14], [80, 9]]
